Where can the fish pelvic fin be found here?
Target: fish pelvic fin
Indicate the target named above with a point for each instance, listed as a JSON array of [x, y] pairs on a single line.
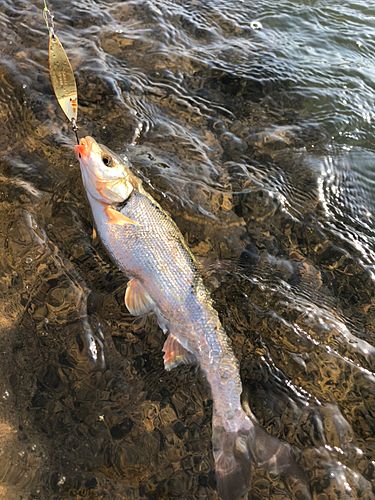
[[137, 300], [175, 353]]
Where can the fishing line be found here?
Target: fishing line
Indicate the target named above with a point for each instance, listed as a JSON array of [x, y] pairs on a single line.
[[62, 77]]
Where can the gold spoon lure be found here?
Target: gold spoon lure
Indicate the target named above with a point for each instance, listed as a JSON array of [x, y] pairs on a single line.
[[62, 78]]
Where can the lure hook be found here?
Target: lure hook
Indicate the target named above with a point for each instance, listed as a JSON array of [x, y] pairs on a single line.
[[62, 77]]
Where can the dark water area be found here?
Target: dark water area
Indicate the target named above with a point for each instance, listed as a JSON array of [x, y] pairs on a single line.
[[255, 131]]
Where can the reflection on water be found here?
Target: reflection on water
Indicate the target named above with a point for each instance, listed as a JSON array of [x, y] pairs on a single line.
[[235, 140]]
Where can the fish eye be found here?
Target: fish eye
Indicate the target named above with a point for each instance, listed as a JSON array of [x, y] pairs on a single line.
[[107, 160]]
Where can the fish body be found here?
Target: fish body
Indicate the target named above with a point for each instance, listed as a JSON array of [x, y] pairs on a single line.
[[148, 247]]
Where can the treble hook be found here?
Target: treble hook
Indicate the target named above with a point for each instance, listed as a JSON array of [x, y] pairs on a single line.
[[75, 129]]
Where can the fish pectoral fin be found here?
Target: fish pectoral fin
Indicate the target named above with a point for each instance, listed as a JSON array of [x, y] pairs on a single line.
[[176, 354], [118, 218], [137, 300], [95, 237]]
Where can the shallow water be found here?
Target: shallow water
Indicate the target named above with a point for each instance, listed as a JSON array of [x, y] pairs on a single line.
[[255, 129]]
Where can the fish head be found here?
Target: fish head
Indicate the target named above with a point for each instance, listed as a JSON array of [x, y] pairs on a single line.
[[106, 177]]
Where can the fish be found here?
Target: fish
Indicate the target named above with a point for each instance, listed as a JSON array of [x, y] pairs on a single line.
[[165, 278]]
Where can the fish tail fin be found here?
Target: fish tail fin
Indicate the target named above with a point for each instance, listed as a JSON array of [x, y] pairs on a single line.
[[232, 462], [269, 453], [273, 455], [234, 453]]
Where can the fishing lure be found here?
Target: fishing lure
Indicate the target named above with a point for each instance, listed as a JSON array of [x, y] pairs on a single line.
[[62, 77]]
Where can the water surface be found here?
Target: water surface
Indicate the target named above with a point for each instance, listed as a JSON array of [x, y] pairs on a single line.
[[255, 131]]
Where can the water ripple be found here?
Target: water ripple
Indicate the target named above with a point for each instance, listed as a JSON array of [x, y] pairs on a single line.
[[251, 123]]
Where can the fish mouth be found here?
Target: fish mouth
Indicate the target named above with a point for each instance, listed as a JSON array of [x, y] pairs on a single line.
[[83, 150]]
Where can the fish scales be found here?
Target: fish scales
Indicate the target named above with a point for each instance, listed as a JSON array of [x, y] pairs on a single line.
[[170, 273], [148, 247]]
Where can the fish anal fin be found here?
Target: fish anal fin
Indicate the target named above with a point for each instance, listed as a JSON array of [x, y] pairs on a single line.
[[175, 354], [118, 218], [137, 300]]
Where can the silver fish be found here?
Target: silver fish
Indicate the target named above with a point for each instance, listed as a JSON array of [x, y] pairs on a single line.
[[148, 247]]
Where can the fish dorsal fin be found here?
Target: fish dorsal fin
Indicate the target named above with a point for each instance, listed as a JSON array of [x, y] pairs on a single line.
[[137, 300], [176, 354], [118, 218]]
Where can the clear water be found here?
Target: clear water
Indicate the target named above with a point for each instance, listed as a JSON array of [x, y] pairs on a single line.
[[255, 128]]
